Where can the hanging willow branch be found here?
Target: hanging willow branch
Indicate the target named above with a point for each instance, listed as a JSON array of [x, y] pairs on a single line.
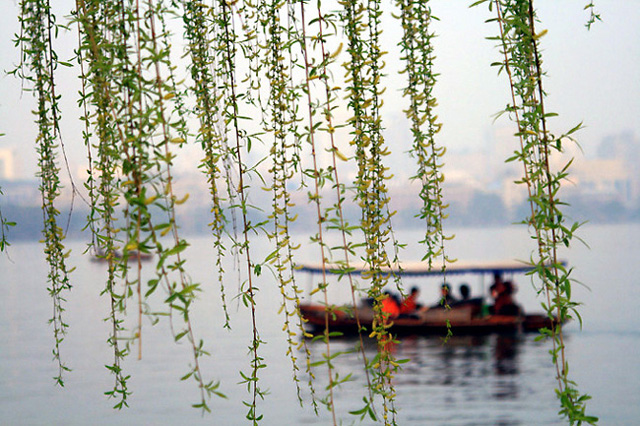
[[315, 197], [520, 45], [200, 31], [241, 148], [362, 29], [38, 65], [4, 228], [418, 54], [99, 42], [282, 125], [332, 217], [594, 16], [127, 104]]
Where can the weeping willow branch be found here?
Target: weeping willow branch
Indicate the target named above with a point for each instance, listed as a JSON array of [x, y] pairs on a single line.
[[334, 217], [315, 198], [196, 23], [241, 140], [417, 48], [4, 228], [101, 29], [593, 15], [364, 73], [519, 41], [281, 125], [128, 107], [38, 65]]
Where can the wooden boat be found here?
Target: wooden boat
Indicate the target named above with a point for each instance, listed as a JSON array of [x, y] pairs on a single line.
[[99, 255], [463, 320], [466, 318]]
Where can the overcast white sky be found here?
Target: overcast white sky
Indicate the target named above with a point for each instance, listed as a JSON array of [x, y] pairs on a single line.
[[593, 76]]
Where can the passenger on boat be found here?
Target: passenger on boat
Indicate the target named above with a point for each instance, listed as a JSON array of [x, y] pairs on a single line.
[[410, 304], [502, 292], [467, 302], [495, 290], [446, 299], [464, 292], [497, 285], [390, 306]]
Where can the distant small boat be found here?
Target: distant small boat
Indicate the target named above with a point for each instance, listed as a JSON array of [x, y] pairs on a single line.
[[100, 255], [465, 318]]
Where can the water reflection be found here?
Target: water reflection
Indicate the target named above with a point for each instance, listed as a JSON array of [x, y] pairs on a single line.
[[463, 361], [470, 380]]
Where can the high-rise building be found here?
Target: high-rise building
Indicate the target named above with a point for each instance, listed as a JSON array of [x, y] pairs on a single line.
[[7, 168]]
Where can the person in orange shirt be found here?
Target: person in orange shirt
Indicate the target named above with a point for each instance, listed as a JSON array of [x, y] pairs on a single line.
[[410, 303], [390, 307]]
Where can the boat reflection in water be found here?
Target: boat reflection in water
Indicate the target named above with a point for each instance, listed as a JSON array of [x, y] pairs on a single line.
[[494, 379], [461, 361]]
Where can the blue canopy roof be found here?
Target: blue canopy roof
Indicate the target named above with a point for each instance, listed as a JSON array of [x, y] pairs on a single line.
[[415, 269]]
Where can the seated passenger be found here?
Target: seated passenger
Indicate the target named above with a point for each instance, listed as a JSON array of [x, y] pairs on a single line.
[[464, 292], [504, 303], [466, 302], [390, 306], [495, 291], [445, 296], [410, 304]]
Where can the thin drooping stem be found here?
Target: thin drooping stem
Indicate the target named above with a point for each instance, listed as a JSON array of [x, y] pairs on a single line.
[[321, 70], [522, 63], [362, 30], [249, 294], [39, 63]]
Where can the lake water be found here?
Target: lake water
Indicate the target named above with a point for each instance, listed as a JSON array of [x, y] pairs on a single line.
[[488, 380]]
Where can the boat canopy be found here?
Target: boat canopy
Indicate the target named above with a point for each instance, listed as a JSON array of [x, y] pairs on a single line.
[[416, 269]]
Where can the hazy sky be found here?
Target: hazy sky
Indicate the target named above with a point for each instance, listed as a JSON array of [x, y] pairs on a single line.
[[593, 76]]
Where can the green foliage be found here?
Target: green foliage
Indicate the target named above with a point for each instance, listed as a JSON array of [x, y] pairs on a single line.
[[4, 226], [520, 42], [4, 229], [199, 27], [418, 55], [128, 98], [38, 64], [593, 14]]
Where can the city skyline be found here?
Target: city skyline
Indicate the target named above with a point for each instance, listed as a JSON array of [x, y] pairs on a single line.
[[592, 78], [601, 188]]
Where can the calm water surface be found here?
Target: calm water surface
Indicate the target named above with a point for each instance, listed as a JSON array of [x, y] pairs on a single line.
[[488, 380]]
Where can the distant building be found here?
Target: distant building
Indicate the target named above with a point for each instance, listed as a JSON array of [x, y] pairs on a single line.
[[624, 148], [7, 165], [612, 177], [24, 193], [604, 181]]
